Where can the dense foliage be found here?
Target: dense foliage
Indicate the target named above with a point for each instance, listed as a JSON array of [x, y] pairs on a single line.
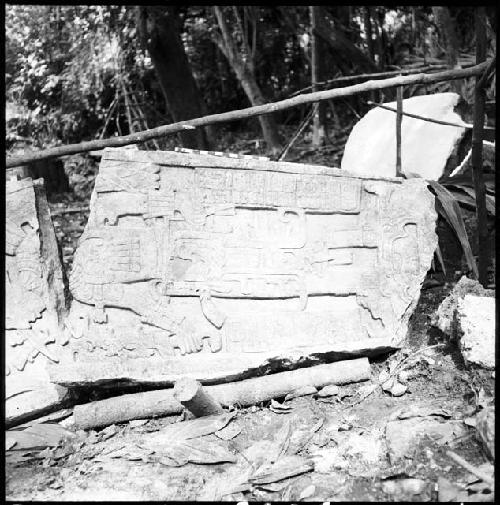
[[77, 72]]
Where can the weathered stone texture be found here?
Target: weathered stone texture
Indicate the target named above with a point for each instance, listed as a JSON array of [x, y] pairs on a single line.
[[35, 301], [476, 324], [425, 147], [211, 266], [467, 314], [445, 317]]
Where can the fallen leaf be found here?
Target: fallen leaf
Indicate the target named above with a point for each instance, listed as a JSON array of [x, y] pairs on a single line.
[[108, 432], [279, 408], [301, 438], [307, 492], [287, 466], [174, 441], [228, 432], [50, 418], [164, 460], [135, 423], [195, 428], [274, 487], [393, 386], [191, 451], [302, 391], [281, 441], [287, 494], [230, 482], [421, 411], [37, 436], [330, 390]]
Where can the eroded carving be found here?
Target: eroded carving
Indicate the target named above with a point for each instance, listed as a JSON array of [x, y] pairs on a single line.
[[187, 260], [32, 336]]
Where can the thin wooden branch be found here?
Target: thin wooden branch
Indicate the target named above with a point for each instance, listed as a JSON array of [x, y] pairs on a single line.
[[374, 75], [482, 82], [399, 120], [299, 131], [477, 150], [423, 118], [258, 110], [69, 210]]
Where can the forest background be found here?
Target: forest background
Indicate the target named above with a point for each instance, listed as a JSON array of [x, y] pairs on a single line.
[[76, 73]]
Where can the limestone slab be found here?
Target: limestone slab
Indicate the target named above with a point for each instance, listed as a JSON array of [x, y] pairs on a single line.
[[214, 268], [425, 146], [476, 322], [35, 302]]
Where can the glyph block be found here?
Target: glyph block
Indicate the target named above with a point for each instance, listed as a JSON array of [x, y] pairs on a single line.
[[213, 267]]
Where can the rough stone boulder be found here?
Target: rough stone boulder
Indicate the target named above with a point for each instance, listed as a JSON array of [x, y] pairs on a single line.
[[467, 314], [425, 147], [35, 302], [217, 268], [476, 321]]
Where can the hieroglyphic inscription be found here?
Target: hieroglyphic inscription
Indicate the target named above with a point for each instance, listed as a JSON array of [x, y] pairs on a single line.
[[246, 188], [199, 259]]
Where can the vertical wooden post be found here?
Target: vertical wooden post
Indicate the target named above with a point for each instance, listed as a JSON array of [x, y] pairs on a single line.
[[399, 120], [477, 149], [318, 126]]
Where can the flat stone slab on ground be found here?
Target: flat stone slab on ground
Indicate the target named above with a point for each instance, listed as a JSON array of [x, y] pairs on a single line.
[[425, 147], [35, 302], [403, 436], [216, 267]]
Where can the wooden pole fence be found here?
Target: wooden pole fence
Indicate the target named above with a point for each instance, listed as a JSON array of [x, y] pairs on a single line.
[[143, 136]]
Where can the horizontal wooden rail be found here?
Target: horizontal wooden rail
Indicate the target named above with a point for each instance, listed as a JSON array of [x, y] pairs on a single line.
[[268, 108]]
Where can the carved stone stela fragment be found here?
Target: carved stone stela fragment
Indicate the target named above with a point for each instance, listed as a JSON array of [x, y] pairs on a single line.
[[204, 266], [34, 301]]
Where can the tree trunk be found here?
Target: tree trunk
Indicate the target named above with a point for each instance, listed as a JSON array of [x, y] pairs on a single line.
[[381, 40], [318, 132], [448, 33], [254, 94], [367, 20], [159, 26], [477, 150], [244, 70], [341, 45]]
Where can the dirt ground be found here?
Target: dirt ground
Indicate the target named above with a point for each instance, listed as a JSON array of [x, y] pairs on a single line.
[[350, 441]]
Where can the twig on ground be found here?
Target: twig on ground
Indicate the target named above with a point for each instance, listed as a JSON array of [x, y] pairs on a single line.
[[472, 469]]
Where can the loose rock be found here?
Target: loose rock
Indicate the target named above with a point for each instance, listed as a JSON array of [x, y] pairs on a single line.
[[371, 147]]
